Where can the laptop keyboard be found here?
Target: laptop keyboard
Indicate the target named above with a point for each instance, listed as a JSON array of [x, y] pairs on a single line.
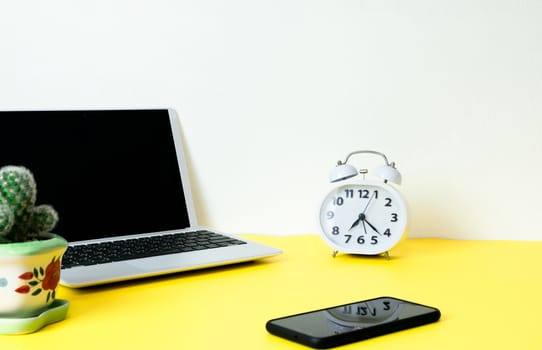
[[106, 252]]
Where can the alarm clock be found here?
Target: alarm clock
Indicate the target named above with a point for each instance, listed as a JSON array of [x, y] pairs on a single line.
[[360, 215]]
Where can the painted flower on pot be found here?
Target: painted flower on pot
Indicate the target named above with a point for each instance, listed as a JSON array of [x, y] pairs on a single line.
[[52, 275], [41, 280]]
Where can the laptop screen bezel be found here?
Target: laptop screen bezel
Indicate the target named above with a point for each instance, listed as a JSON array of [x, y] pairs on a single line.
[[181, 160]]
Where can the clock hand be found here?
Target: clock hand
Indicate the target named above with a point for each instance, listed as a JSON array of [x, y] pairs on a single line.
[[361, 217], [374, 228], [364, 227], [354, 224], [369, 202]]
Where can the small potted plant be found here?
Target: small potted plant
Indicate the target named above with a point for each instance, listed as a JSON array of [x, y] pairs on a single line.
[[30, 254]]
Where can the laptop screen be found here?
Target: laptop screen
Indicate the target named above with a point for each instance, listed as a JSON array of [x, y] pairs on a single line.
[[107, 173]]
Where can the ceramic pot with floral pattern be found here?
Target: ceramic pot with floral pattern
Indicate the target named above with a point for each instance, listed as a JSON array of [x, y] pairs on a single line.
[[29, 275]]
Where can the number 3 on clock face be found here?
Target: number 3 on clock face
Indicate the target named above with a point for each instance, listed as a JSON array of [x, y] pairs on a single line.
[[368, 218]]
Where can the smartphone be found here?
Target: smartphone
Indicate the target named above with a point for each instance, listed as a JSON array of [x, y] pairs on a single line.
[[348, 323]]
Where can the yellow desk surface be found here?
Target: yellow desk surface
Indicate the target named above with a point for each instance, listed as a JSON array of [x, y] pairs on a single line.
[[489, 293]]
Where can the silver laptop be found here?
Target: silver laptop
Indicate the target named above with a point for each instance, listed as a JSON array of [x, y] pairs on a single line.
[[119, 182]]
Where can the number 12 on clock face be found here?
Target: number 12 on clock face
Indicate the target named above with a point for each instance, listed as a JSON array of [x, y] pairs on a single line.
[[368, 218]]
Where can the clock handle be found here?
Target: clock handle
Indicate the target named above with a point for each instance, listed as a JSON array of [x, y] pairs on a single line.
[[366, 151], [344, 171]]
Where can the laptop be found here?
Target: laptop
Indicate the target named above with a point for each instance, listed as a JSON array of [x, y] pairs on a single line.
[[118, 179]]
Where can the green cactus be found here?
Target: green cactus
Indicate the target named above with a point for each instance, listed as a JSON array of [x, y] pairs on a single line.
[[20, 219], [6, 219]]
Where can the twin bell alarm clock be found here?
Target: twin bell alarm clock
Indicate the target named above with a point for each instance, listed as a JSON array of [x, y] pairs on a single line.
[[364, 213]]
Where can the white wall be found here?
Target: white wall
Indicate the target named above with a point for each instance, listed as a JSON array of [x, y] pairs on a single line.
[[272, 93]]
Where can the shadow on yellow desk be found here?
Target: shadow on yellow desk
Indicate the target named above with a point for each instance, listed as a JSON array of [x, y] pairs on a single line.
[[489, 293]]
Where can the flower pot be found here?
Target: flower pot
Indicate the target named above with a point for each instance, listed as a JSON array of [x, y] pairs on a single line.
[[29, 275]]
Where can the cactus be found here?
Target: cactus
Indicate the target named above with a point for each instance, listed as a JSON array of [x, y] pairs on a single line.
[[20, 219], [6, 219]]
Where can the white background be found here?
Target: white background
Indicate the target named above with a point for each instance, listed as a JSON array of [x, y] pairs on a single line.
[[272, 93]]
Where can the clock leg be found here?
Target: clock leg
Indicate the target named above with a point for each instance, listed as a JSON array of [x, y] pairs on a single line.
[[387, 255], [335, 252]]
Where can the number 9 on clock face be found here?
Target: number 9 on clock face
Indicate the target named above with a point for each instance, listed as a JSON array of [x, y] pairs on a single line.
[[368, 218]]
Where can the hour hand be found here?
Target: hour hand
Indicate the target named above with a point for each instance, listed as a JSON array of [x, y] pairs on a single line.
[[361, 217], [354, 224]]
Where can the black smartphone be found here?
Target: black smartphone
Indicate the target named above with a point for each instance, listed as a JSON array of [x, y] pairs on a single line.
[[343, 324]]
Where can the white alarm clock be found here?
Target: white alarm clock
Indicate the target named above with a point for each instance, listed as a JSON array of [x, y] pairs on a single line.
[[363, 216]]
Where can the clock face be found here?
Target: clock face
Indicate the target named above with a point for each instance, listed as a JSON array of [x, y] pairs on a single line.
[[367, 218]]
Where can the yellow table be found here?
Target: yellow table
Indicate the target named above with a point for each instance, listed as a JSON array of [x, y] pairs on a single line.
[[489, 293]]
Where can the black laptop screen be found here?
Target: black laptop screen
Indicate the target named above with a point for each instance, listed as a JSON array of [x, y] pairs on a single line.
[[107, 173]]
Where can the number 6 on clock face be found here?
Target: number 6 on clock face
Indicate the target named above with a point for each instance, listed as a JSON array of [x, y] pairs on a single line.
[[368, 218]]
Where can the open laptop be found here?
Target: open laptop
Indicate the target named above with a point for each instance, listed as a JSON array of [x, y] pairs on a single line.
[[118, 175]]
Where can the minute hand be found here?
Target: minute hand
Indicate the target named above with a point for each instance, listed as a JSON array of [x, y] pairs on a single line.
[[371, 225]]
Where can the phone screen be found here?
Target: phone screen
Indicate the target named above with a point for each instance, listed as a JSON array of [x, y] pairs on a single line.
[[350, 322]]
